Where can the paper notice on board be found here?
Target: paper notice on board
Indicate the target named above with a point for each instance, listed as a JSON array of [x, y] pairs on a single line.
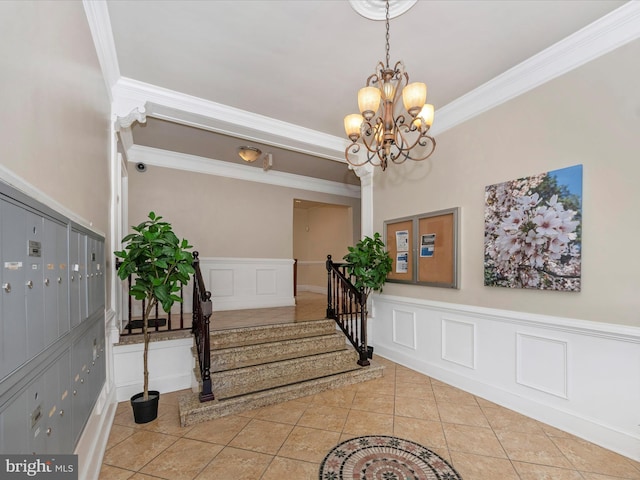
[[402, 241], [402, 262], [428, 245]]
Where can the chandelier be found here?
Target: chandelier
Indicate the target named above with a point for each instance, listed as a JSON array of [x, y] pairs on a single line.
[[385, 134]]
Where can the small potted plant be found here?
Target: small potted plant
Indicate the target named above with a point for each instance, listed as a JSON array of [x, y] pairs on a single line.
[[159, 263], [369, 264]]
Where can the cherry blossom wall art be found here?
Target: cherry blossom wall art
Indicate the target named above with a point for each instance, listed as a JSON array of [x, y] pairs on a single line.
[[533, 231]]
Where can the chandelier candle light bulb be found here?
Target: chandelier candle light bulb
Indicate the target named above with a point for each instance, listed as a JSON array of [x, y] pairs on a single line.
[[384, 135]]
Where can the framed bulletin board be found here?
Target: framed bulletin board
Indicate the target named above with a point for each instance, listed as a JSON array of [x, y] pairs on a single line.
[[424, 248], [400, 245]]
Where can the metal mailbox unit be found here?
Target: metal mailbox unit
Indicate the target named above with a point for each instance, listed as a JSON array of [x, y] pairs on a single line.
[[52, 330]]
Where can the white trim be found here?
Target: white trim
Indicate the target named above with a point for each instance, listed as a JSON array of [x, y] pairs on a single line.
[[241, 283], [20, 184], [193, 163], [95, 436], [172, 361], [448, 338], [200, 113], [612, 331], [619, 27], [410, 320], [587, 358], [560, 367], [102, 34], [615, 29]]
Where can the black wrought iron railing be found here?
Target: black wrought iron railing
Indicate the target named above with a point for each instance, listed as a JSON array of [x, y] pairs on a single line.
[[202, 310], [348, 307], [159, 320]]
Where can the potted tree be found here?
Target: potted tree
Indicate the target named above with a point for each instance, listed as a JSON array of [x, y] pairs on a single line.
[[159, 263], [368, 264]]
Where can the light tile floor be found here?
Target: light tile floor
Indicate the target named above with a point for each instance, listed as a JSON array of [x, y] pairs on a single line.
[[482, 440]]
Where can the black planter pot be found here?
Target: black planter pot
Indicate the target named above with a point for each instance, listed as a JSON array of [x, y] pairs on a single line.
[[145, 411]]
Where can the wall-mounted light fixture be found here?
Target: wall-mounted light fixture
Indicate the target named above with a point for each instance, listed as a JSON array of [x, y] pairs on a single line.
[[249, 154]]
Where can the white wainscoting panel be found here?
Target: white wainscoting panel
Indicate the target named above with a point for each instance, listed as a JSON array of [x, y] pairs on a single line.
[[266, 281], [239, 283], [404, 328], [580, 376], [458, 342], [542, 364], [171, 365], [220, 281]]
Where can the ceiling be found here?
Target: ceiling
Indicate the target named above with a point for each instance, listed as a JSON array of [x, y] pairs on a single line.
[[302, 62]]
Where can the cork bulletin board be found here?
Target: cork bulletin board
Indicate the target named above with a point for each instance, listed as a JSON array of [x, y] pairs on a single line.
[[424, 248], [399, 242]]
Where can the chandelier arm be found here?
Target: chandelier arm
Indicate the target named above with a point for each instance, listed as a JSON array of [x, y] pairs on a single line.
[[404, 147], [373, 79], [369, 131], [353, 149]]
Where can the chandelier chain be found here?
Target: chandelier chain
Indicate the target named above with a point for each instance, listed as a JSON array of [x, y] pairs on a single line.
[[387, 37]]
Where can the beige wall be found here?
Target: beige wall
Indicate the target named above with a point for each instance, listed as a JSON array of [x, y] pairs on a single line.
[[55, 109], [590, 116], [318, 232], [222, 217]]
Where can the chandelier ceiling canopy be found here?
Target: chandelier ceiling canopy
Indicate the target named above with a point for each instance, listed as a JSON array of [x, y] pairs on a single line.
[[387, 133]]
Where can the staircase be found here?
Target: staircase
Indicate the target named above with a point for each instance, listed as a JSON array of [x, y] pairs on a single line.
[[254, 367]]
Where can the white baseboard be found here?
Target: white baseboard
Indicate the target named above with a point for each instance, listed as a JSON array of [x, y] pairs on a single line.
[[94, 438], [579, 376]]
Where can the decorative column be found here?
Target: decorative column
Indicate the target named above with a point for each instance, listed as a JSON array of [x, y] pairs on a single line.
[[365, 173]]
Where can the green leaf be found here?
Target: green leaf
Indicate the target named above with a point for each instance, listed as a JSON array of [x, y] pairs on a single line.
[[369, 263]]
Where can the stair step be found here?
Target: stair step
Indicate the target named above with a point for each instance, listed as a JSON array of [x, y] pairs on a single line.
[[250, 355], [193, 412], [242, 381], [236, 337]]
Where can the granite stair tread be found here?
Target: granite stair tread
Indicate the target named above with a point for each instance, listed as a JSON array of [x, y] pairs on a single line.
[[243, 336], [240, 381], [193, 412], [252, 367], [249, 355]]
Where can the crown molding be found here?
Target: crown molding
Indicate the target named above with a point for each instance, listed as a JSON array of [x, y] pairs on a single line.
[[102, 34], [614, 30], [193, 163], [619, 27], [200, 113]]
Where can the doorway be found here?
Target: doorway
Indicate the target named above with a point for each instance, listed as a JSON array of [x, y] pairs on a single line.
[[319, 229]]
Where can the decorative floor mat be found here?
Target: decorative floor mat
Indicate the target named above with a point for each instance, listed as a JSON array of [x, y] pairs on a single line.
[[382, 457]]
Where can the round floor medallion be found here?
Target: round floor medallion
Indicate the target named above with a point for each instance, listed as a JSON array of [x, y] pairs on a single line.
[[382, 457]]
